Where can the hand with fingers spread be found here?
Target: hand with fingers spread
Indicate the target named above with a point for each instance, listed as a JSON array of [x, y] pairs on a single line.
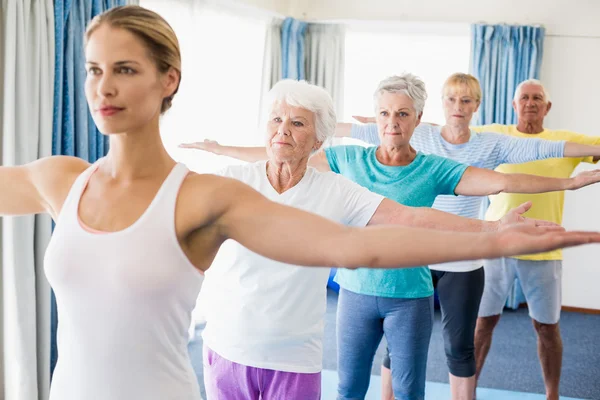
[[372, 120], [527, 238], [585, 178], [515, 216]]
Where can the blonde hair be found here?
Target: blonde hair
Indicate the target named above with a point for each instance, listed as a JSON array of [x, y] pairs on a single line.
[[152, 29], [465, 80]]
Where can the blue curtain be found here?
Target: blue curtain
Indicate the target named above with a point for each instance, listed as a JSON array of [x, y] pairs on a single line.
[[293, 34], [502, 57], [74, 132]]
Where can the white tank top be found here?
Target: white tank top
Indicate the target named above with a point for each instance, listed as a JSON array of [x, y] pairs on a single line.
[[124, 304]]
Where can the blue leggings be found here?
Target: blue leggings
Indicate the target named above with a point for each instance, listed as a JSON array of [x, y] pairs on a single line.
[[362, 320]]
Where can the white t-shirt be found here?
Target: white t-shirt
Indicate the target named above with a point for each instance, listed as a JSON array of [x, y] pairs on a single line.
[[267, 314]]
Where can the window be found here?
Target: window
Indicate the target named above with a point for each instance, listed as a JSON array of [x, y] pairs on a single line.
[[222, 62], [374, 52]]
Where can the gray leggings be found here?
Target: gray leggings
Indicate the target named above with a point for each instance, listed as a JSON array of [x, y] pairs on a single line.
[[460, 295]]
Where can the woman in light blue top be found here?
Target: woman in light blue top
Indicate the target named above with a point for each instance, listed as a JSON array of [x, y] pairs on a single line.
[[398, 303], [461, 98]]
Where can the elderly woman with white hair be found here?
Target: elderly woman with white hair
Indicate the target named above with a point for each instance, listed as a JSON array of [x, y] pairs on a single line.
[[395, 303], [264, 328]]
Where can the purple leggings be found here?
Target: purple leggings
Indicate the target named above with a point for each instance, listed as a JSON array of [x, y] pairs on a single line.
[[226, 380]]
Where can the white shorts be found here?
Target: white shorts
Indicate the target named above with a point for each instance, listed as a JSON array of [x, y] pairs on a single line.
[[541, 282]]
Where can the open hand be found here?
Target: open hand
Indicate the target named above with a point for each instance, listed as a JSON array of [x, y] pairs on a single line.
[[515, 216], [207, 145], [528, 239], [586, 178]]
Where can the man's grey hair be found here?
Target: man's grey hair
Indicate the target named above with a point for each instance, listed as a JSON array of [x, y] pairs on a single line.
[[408, 84], [310, 97], [531, 82]]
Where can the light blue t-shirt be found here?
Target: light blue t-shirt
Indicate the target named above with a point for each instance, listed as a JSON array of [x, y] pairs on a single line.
[[483, 150], [416, 185]]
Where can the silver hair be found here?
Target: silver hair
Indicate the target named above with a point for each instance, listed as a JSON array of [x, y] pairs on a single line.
[[408, 84], [310, 97], [531, 82]]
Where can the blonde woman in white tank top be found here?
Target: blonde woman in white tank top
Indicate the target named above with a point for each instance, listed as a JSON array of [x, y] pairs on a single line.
[[136, 230]]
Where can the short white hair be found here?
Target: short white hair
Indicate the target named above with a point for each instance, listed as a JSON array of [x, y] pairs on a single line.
[[310, 97], [535, 82], [408, 84]]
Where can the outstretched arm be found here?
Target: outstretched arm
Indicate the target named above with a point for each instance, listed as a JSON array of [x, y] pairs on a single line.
[[390, 212], [343, 129], [366, 132], [364, 120], [251, 154], [38, 187], [483, 182], [20, 195], [573, 149], [296, 237], [371, 120]]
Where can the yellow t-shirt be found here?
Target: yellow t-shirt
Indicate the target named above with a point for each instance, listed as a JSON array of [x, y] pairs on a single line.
[[546, 206]]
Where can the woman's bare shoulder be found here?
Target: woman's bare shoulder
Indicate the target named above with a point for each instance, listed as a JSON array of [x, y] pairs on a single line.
[[204, 198], [211, 187]]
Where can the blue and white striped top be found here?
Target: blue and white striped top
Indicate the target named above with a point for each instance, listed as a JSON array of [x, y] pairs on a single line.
[[483, 150]]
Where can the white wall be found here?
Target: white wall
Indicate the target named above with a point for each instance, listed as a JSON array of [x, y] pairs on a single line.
[[276, 6], [570, 72], [558, 16]]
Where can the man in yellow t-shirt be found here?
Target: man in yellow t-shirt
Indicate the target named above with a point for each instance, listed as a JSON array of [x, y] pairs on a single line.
[[540, 275]]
